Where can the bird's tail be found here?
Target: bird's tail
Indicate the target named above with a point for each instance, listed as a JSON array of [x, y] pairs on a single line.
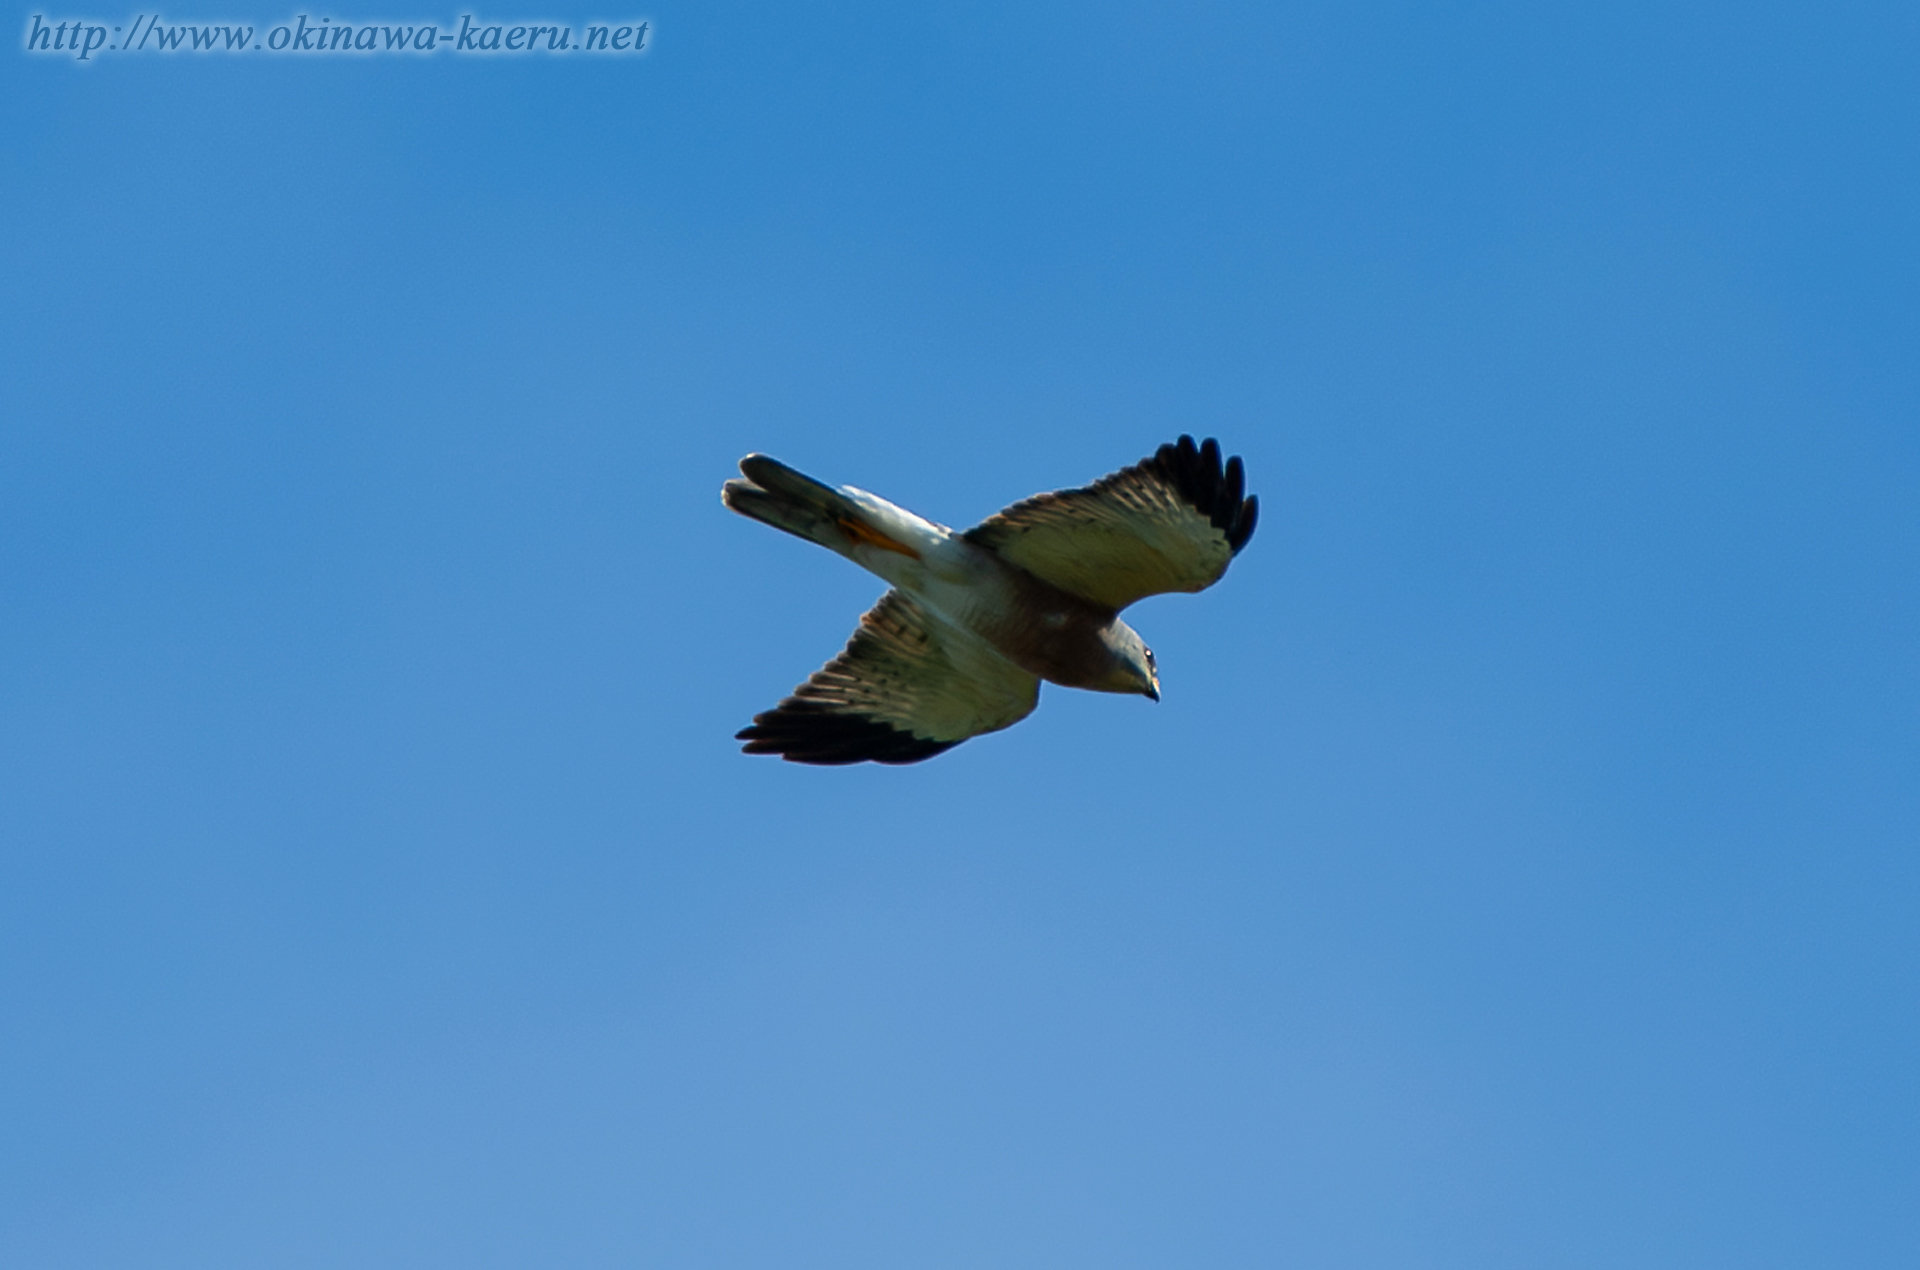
[[841, 521], [775, 494]]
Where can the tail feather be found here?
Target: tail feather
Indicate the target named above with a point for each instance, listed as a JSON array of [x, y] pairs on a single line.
[[781, 512], [773, 475], [849, 521], [776, 495]]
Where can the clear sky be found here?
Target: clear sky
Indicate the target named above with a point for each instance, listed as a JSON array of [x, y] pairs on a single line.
[[1520, 870]]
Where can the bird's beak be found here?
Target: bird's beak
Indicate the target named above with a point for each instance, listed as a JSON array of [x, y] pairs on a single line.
[[1153, 688]]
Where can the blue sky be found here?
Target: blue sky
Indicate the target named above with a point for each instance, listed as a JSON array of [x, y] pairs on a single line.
[[1520, 870]]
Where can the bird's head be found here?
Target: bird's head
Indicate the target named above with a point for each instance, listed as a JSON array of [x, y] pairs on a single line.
[[1133, 668]]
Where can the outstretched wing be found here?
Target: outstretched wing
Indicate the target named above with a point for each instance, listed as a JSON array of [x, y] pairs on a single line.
[[904, 689], [1169, 523]]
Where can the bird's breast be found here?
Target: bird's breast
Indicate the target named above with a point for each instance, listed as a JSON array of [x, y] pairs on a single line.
[[1040, 628]]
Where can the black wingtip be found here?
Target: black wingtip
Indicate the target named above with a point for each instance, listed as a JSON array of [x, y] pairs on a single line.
[[1243, 523], [1215, 492], [802, 732]]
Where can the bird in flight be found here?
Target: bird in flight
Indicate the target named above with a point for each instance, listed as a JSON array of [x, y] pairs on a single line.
[[975, 620]]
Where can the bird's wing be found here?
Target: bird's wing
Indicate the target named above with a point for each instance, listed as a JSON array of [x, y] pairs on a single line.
[[1169, 523], [905, 688]]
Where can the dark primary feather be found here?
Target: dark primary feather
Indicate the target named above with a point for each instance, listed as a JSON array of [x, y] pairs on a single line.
[[803, 731], [1216, 494]]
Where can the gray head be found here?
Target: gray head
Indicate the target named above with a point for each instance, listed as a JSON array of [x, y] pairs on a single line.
[[1131, 668]]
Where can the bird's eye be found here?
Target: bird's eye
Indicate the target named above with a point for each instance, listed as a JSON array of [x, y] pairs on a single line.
[[1150, 660]]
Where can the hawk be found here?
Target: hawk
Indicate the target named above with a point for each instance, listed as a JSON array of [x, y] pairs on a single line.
[[976, 620]]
